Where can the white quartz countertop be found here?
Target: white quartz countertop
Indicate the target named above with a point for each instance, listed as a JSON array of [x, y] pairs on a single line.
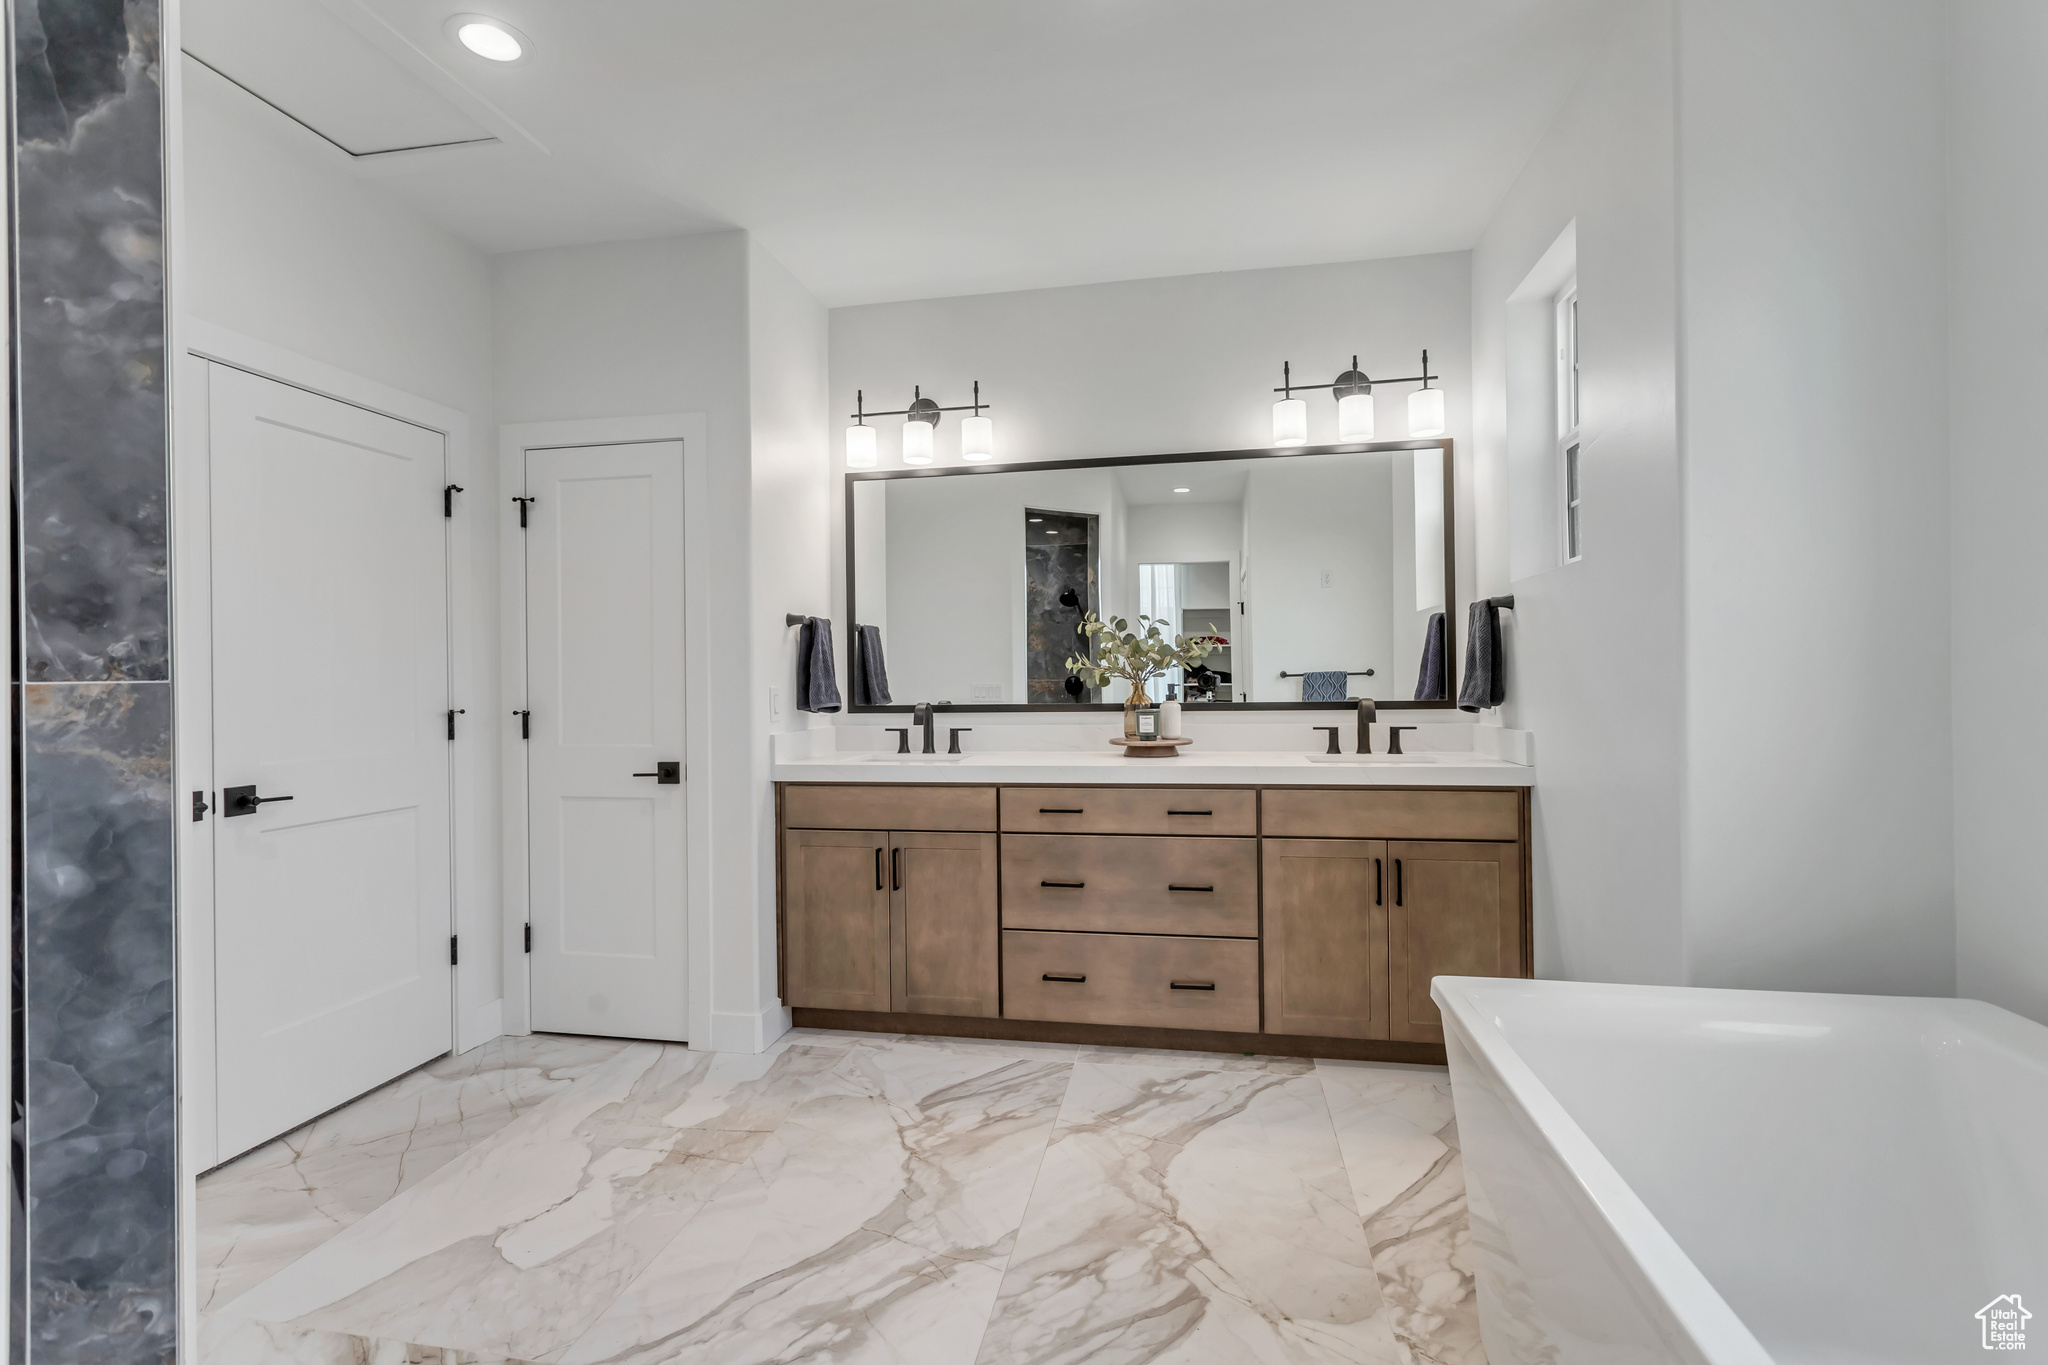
[[1252, 767]]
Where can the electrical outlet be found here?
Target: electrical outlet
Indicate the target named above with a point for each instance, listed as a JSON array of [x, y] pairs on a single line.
[[986, 692]]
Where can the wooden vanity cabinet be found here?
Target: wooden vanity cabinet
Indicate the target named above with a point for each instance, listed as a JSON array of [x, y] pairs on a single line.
[[1455, 909], [1307, 921], [891, 921], [1326, 937]]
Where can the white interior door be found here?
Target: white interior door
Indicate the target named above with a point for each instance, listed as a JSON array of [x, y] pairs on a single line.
[[330, 638], [604, 575]]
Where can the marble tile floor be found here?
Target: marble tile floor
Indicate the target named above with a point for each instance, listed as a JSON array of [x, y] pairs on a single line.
[[851, 1198]]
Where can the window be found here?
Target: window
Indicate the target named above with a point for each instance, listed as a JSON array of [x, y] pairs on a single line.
[[1568, 416]]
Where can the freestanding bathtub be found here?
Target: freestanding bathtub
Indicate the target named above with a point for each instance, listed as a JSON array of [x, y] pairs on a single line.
[[1739, 1177]]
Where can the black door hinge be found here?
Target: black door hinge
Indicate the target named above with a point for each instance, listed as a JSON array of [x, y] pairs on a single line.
[[199, 807], [525, 724], [529, 937], [448, 500], [458, 711], [453, 956], [522, 510]]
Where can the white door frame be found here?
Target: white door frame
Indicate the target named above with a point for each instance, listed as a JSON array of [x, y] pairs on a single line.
[[475, 1020], [514, 440]]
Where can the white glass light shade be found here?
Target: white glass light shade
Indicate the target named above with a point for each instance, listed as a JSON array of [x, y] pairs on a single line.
[[1426, 412], [1354, 417], [977, 438], [860, 447], [917, 443], [1290, 422]]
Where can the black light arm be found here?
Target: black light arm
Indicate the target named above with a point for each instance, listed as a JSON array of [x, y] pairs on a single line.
[[1288, 386]]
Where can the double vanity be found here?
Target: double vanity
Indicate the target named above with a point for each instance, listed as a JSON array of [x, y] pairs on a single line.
[[1244, 900]]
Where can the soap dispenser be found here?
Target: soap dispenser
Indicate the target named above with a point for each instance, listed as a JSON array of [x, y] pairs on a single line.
[[1169, 714]]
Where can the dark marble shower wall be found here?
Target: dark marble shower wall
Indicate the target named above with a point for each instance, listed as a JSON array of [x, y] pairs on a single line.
[[94, 1151], [1059, 555]]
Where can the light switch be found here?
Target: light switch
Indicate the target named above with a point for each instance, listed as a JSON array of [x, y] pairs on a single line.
[[775, 703]]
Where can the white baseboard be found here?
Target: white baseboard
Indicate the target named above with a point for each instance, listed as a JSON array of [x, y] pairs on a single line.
[[748, 1032], [485, 1022]]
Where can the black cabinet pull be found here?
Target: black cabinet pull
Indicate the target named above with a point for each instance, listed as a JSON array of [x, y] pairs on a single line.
[[1379, 881], [1058, 810], [1064, 976], [1191, 812], [895, 869], [878, 867], [1397, 881], [1074, 885], [1170, 886], [1193, 985]]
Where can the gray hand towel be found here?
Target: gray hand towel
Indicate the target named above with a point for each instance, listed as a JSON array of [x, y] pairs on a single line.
[[1328, 685], [1485, 668], [1429, 679], [817, 678], [870, 676]]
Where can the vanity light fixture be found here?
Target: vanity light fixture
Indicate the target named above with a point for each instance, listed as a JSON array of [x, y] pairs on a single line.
[[492, 39], [1353, 391], [977, 433]]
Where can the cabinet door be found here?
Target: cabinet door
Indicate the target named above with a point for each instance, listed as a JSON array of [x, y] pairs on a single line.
[[836, 918], [1325, 937], [1456, 911], [942, 904]]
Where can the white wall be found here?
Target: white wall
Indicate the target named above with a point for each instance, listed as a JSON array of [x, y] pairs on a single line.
[[1150, 366], [1594, 647], [786, 372], [631, 328], [1305, 519], [282, 244], [1998, 429], [1813, 262]]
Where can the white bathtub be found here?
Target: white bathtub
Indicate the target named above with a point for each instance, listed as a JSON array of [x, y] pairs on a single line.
[[1736, 1177]]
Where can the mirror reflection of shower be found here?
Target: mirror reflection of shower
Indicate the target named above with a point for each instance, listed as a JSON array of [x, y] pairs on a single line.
[[1061, 571]]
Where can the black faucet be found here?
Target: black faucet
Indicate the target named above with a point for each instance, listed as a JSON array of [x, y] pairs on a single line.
[[921, 714], [1394, 737], [1367, 713], [1331, 730]]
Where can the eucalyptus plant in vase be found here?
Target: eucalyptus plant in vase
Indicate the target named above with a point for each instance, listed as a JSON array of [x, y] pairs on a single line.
[[1114, 650]]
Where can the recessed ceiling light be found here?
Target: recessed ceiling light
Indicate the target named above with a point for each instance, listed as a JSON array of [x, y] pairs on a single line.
[[1180, 490], [492, 39], [1036, 520], [1050, 531]]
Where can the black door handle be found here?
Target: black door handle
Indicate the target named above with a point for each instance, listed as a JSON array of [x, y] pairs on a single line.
[[1064, 976], [1172, 887], [1379, 881], [878, 867], [1076, 886], [244, 801], [895, 869], [665, 774], [1397, 881]]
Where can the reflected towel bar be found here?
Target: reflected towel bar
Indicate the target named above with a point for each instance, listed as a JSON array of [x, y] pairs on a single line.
[[1355, 673]]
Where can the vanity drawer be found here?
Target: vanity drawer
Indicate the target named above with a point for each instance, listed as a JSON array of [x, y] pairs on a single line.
[[1130, 810], [1129, 885], [1320, 813], [1129, 979], [889, 806]]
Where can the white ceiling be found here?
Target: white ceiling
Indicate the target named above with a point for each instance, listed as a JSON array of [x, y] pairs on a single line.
[[919, 148]]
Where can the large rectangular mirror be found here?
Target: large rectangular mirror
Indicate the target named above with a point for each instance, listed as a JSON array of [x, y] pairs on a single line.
[[1319, 570]]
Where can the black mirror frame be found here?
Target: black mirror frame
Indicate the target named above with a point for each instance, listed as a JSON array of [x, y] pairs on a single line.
[[854, 477]]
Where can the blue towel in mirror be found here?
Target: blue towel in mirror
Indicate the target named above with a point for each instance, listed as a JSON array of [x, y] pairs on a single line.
[[1328, 685]]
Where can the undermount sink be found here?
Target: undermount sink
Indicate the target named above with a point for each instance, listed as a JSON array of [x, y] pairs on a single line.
[[913, 758], [1367, 758]]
